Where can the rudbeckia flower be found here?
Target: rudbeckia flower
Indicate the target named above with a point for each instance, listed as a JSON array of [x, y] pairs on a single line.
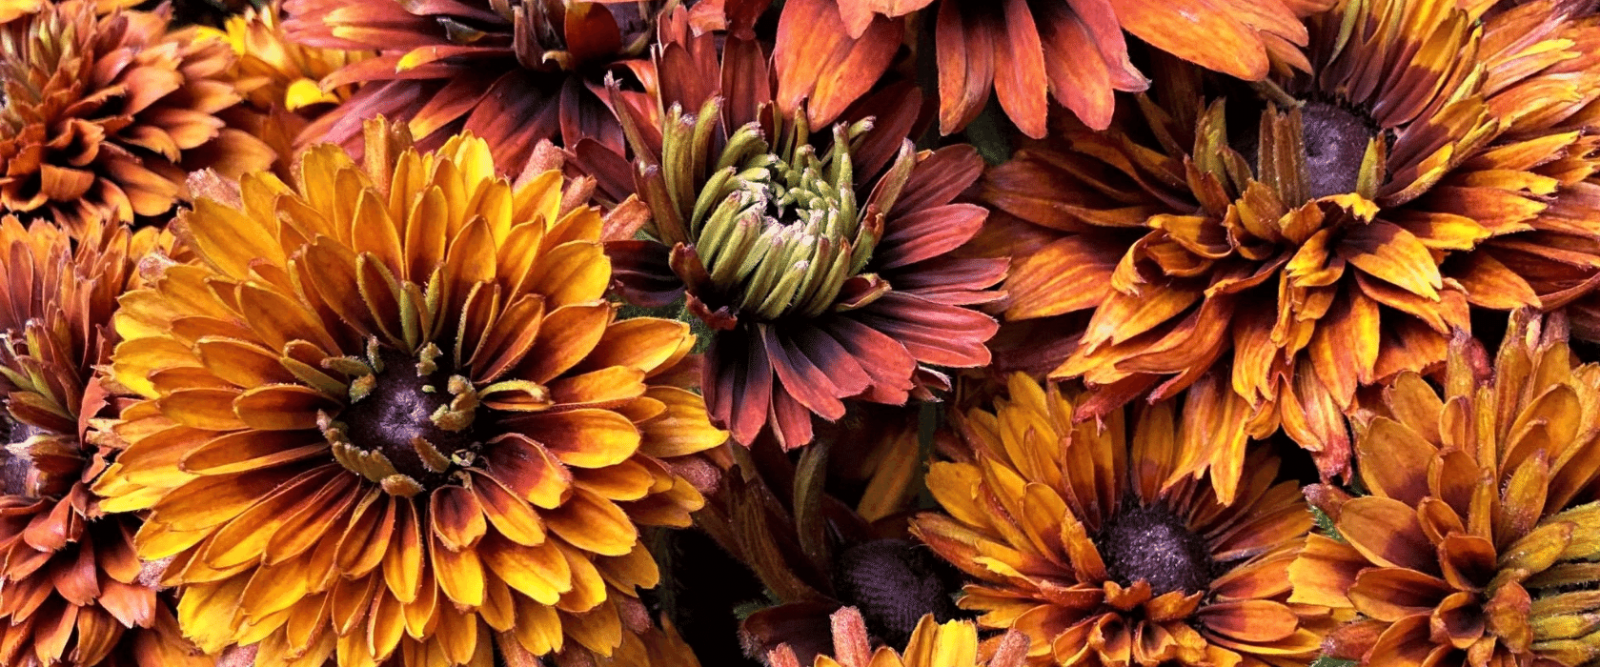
[[272, 71], [822, 262], [511, 72], [104, 115], [1028, 52], [71, 590], [1073, 536], [1282, 250], [1478, 542], [279, 79], [932, 644], [388, 414]]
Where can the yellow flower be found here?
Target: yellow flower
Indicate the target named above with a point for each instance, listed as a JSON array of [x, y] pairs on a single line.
[[1074, 538], [1478, 542], [389, 414], [273, 71]]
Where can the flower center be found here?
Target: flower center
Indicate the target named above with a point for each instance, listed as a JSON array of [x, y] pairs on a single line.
[[1150, 543], [894, 583], [14, 468], [1336, 142], [780, 232], [408, 422]]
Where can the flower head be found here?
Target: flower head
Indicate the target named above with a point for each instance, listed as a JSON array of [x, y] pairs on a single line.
[[822, 261], [1073, 538], [73, 586], [271, 71], [1476, 545], [105, 114], [1425, 167], [511, 72], [389, 414]]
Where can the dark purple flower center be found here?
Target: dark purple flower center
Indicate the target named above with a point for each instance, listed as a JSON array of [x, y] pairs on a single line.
[[1336, 141], [397, 419], [14, 467], [894, 583], [1152, 544]]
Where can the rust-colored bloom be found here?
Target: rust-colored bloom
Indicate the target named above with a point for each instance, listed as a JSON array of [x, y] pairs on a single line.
[[1075, 538], [1424, 169], [1027, 51], [823, 262], [1478, 541], [932, 644], [389, 414], [512, 72], [70, 587], [104, 115]]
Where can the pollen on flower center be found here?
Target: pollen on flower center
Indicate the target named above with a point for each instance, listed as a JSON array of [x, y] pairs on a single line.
[[1336, 141], [894, 583], [1150, 543], [408, 422]]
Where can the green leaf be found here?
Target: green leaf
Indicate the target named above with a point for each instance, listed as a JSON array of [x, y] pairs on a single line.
[[1329, 661]]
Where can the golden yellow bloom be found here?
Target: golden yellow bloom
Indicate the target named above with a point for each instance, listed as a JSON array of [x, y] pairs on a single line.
[[389, 414], [272, 71], [105, 114], [69, 580], [1479, 541], [1285, 249], [1075, 540], [932, 644]]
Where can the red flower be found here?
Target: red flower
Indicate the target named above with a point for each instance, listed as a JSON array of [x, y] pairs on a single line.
[[823, 262]]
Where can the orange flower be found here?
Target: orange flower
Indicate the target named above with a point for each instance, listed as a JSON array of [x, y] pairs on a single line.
[[70, 586], [389, 414], [1076, 539], [1027, 51], [106, 114], [932, 644], [1280, 267], [512, 72], [1477, 545]]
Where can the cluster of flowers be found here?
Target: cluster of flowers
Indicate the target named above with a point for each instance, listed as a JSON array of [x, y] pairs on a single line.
[[426, 333]]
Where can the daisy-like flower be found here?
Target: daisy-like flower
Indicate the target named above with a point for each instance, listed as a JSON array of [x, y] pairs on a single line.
[[105, 114], [1478, 542], [279, 79], [932, 644], [271, 71], [70, 585], [389, 414], [1074, 537], [822, 262], [512, 72], [1423, 169], [1027, 51]]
